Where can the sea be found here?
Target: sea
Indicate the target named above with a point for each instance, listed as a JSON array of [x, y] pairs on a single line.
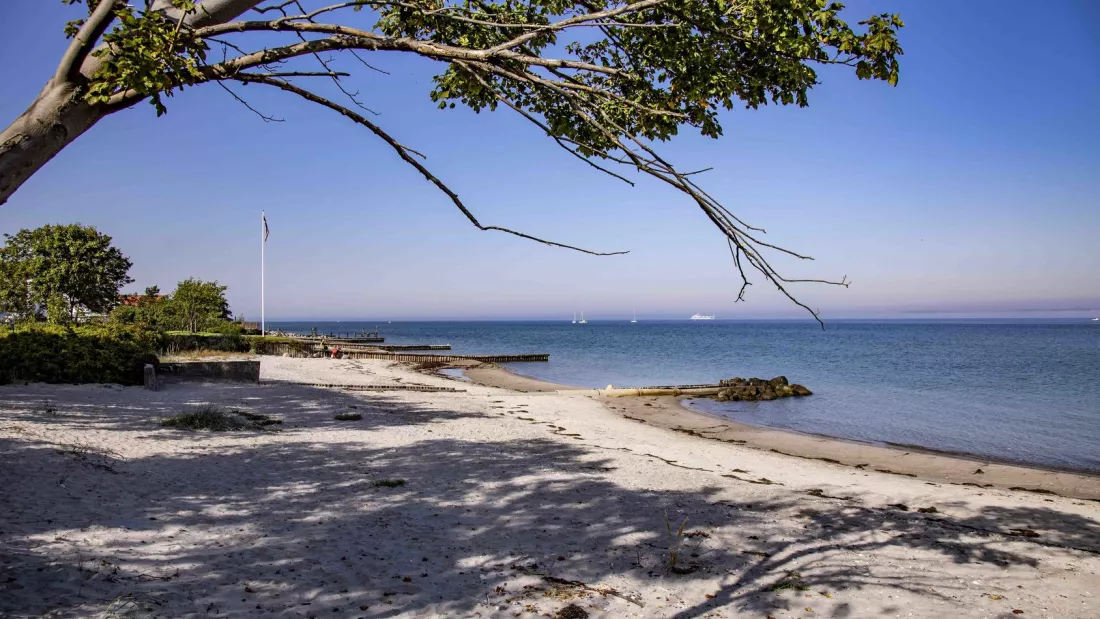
[[1015, 391]]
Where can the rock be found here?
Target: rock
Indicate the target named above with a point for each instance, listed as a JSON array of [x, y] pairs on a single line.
[[739, 389]]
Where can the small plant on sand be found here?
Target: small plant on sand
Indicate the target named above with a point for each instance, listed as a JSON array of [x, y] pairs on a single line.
[[674, 542], [212, 419], [389, 483], [347, 417], [792, 582]]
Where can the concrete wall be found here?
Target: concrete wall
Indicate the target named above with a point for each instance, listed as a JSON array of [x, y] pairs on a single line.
[[243, 371]]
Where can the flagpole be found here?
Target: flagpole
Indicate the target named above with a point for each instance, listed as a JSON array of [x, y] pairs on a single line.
[[263, 241]]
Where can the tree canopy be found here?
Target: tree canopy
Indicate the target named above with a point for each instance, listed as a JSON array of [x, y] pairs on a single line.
[[57, 270], [606, 80], [198, 304]]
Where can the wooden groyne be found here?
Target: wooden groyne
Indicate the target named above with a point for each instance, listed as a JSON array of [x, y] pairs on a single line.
[[316, 347], [397, 356], [340, 340], [312, 348], [394, 347]]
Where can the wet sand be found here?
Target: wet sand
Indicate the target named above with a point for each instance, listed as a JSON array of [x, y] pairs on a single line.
[[671, 413]]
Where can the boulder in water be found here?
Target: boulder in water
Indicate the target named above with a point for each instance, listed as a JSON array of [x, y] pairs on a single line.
[[739, 389]]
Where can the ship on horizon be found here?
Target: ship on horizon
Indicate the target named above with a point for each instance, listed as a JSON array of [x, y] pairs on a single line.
[[701, 317]]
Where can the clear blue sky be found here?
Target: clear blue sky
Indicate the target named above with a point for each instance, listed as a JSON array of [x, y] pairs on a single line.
[[973, 187]]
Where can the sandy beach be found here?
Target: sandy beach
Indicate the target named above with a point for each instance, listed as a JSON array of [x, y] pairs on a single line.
[[494, 502]]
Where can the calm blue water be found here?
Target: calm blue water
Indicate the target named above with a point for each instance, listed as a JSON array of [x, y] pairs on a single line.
[[1027, 392]]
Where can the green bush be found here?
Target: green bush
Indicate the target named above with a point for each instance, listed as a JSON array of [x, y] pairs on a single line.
[[85, 354], [174, 342], [263, 345]]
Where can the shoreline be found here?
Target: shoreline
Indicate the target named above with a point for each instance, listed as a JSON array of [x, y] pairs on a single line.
[[488, 503], [672, 413]]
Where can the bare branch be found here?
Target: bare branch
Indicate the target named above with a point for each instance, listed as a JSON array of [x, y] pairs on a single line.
[[745, 283], [651, 163], [84, 41], [264, 117], [276, 7], [305, 74], [404, 153]]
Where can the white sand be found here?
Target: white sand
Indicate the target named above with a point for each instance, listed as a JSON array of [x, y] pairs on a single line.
[[104, 511]]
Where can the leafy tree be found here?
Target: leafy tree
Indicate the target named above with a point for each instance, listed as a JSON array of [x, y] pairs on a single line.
[[198, 305], [57, 270], [604, 79]]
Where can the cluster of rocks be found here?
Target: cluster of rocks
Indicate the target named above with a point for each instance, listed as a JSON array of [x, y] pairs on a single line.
[[752, 389]]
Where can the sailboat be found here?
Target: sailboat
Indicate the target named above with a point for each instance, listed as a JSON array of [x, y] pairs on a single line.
[[582, 321], [635, 319], [574, 317]]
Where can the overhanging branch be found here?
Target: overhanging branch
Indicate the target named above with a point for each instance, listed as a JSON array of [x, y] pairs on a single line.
[[405, 153]]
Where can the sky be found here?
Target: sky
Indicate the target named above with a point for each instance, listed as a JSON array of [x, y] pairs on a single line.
[[970, 189]]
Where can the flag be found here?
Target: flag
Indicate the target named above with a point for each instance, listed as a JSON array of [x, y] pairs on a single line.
[[266, 231]]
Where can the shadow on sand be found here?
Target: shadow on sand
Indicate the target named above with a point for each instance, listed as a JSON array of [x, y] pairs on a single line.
[[292, 526]]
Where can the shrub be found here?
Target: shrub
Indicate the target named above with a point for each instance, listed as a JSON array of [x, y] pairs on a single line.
[[175, 342], [263, 345], [86, 354], [389, 483], [213, 419]]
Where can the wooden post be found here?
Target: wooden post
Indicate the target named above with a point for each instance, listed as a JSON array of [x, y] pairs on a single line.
[[150, 377]]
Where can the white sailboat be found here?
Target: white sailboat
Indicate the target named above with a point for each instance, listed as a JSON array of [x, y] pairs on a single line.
[[582, 321], [574, 317], [635, 318]]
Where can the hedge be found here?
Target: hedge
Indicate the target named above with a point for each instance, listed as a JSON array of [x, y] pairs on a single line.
[[175, 342], [112, 353], [88, 354]]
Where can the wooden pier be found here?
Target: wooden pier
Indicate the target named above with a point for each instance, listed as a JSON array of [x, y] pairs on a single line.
[[340, 340], [428, 358], [394, 347]]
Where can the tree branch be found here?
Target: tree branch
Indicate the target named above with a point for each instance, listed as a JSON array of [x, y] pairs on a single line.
[[354, 38], [263, 117], [404, 153], [84, 41]]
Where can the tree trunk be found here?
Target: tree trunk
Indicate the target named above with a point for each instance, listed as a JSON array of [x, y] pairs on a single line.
[[57, 117]]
